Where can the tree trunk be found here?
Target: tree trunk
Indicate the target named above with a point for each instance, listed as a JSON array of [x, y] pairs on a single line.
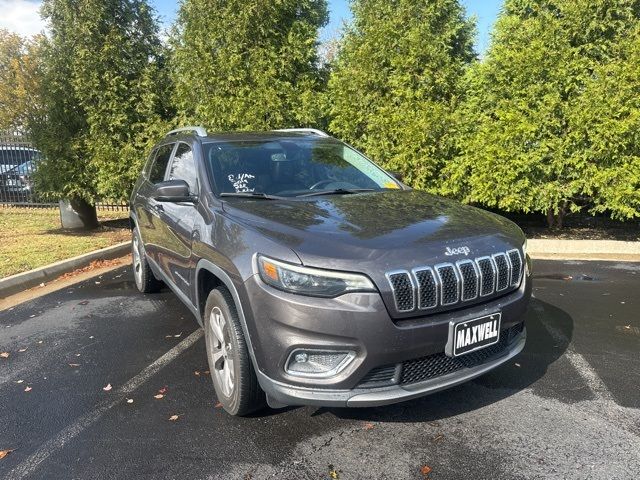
[[556, 220], [86, 212]]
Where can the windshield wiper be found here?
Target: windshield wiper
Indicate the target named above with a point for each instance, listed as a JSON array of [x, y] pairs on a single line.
[[337, 191], [257, 195]]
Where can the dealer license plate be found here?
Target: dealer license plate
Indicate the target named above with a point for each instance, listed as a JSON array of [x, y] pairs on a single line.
[[472, 335]]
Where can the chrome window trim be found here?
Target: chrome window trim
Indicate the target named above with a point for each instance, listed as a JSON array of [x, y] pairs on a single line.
[[415, 272], [494, 256], [455, 272], [494, 268], [393, 290], [477, 273], [520, 272]]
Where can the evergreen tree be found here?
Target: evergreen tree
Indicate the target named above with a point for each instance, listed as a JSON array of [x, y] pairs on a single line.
[[101, 98], [248, 64], [545, 127], [396, 82]]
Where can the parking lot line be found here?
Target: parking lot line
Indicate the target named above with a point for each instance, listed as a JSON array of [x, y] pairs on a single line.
[[56, 443]]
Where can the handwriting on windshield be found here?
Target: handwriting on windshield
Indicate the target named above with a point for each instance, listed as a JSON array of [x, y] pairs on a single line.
[[241, 182]]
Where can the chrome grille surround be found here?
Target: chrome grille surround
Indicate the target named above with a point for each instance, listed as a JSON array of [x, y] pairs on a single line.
[[451, 284], [427, 287], [484, 284], [404, 289]]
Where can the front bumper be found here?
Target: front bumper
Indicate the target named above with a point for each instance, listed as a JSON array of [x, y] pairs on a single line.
[[280, 394], [279, 323]]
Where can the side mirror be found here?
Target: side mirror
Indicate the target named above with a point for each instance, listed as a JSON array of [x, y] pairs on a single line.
[[397, 175], [174, 191]]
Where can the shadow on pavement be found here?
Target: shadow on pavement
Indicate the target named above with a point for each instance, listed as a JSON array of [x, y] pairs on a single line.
[[519, 373]]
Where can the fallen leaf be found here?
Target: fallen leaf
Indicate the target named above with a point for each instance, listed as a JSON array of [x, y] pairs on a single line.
[[4, 354], [42, 285], [217, 405], [40, 342], [437, 438], [22, 350], [28, 389], [196, 373], [91, 336], [74, 365], [77, 354], [517, 364], [158, 396], [19, 381], [129, 400], [206, 372], [178, 335], [426, 470], [334, 474], [84, 302], [4, 453], [163, 390], [368, 426], [108, 387], [173, 418]]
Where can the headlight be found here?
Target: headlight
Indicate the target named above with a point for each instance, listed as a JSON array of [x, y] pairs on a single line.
[[311, 281]]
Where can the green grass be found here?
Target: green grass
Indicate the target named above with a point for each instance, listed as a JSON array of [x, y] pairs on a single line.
[[32, 238]]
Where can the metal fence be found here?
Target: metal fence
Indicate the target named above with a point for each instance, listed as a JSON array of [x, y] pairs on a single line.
[[19, 161]]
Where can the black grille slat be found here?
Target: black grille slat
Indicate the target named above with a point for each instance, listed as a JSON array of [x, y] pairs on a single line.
[[427, 288], [402, 291], [487, 276], [502, 266], [439, 364], [469, 280], [448, 284], [516, 267]]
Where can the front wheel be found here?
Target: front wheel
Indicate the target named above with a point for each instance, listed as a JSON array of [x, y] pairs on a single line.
[[146, 282], [234, 379]]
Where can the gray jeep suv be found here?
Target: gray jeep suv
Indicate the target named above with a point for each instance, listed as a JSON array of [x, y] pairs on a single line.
[[320, 278]]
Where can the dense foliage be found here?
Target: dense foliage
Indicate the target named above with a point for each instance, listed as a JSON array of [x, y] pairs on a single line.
[[248, 64], [396, 83], [548, 121], [101, 95], [551, 119]]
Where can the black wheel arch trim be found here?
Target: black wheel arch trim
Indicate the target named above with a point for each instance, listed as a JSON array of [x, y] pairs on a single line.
[[224, 277]]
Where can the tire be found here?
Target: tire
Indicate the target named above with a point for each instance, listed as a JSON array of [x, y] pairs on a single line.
[[146, 282], [234, 378]]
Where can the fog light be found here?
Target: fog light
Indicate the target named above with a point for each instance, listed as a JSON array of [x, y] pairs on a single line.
[[315, 363]]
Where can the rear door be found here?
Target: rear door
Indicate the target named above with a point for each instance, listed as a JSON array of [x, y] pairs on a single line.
[[175, 255], [148, 210]]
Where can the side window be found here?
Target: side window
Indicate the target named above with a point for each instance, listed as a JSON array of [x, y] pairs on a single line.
[[183, 167], [159, 167]]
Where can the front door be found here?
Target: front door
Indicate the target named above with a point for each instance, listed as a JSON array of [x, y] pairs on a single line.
[[175, 257]]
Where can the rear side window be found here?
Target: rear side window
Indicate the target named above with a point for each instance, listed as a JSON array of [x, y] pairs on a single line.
[[183, 167], [159, 166]]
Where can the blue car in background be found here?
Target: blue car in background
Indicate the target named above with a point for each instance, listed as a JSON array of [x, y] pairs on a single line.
[[17, 166]]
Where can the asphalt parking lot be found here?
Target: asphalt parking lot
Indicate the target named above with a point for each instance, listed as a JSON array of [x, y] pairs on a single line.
[[567, 407]]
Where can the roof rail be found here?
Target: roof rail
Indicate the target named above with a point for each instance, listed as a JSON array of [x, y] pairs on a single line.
[[200, 131], [313, 131]]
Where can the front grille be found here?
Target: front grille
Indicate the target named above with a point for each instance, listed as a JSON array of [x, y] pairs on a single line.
[[448, 284], [380, 375], [439, 364], [433, 366], [403, 291]]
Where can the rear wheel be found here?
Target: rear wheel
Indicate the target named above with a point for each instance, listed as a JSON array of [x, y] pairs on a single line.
[[234, 378], [146, 282]]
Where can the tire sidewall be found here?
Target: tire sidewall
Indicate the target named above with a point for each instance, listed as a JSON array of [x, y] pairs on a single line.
[[216, 299]]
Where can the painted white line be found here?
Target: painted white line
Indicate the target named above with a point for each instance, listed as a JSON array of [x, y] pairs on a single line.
[[582, 366], [56, 443]]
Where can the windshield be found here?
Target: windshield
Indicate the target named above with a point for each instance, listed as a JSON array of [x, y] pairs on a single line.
[[291, 167]]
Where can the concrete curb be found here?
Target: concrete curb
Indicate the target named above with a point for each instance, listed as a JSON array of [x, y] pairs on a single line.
[[584, 249], [22, 281]]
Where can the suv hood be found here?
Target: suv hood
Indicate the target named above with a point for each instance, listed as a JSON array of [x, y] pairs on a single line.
[[378, 231]]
